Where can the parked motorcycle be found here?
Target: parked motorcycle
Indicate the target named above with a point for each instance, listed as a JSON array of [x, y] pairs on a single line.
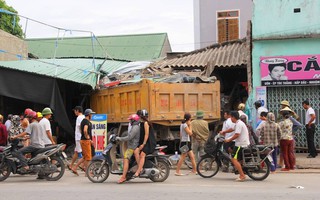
[[255, 162], [46, 162], [156, 167]]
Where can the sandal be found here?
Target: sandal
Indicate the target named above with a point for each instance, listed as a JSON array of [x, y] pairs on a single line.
[[82, 169], [121, 181], [74, 172], [240, 179], [69, 167], [179, 174]]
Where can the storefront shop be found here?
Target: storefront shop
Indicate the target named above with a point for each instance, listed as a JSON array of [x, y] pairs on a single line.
[[292, 78]]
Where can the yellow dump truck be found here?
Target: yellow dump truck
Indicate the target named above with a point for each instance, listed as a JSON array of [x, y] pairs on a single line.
[[166, 104]]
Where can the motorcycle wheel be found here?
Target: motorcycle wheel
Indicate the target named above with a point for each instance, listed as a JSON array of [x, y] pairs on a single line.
[[188, 162], [164, 170], [260, 172], [59, 172], [5, 171], [93, 173], [207, 167]]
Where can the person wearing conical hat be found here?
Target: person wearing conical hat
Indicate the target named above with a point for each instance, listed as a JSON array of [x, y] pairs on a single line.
[[286, 103], [286, 139], [296, 125]]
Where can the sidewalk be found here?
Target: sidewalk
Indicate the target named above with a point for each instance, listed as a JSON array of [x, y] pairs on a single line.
[[304, 164]]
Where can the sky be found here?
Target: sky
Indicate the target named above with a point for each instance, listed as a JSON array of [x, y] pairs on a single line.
[[110, 17]]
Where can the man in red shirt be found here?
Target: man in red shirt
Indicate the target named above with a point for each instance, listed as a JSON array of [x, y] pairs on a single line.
[[3, 133]]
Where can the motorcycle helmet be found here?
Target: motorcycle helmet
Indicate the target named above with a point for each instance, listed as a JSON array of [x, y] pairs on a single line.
[[39, 115], [134, 117], [32, 114], [26, 111], [15, 120], [144, 113], [258, 104]]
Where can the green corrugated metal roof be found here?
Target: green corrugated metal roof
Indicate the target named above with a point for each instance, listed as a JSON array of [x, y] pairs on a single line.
[[143, 47], [76, 70]]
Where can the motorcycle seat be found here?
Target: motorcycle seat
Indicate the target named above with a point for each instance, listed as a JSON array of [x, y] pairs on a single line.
[[46, 149]]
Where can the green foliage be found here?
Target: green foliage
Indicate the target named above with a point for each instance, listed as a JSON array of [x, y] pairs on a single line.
[[7, 20]]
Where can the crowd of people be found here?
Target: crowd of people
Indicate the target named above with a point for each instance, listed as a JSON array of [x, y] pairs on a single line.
[[280, 134], [33, 131], [28, 133]]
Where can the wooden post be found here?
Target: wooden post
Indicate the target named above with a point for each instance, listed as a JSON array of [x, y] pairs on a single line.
[[249, 56]]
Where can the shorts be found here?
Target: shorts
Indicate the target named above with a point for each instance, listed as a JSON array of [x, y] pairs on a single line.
[[184, 143], [78, 147], [228, 145], [237, 153], [128, 154], [86, 149]]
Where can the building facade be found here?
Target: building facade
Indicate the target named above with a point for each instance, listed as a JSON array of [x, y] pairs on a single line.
[[220, 21], [285, 56]]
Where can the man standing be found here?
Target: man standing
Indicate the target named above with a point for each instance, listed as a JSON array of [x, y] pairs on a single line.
[[241, 137], [8, 122], [270, 135], [310, 128], [263, 118], [200, 129], [86, 140], [45, 123], [78, 112]]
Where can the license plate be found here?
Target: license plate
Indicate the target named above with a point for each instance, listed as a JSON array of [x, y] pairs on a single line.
[[64, 155]]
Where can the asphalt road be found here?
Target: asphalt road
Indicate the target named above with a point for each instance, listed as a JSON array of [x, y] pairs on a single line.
[[222, 186]]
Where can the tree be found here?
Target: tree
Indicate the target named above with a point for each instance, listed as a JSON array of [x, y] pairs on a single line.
[[9, 22]]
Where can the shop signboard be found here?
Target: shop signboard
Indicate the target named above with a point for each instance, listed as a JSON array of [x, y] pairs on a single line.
[[99, 132], [290, 70], [261, 95]]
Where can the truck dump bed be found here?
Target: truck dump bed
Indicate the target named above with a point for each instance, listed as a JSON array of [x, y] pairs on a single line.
[[165, 102]]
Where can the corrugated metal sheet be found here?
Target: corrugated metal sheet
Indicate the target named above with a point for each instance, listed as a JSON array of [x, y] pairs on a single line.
[[228, 54], [143, 47], [76, 70]]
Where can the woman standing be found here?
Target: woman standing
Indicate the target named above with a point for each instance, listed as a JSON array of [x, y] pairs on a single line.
[[185, 133], [286, 140]]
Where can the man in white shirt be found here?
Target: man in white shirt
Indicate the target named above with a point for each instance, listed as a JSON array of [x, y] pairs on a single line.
[[8, 122], [241, 137], [310, 128], [78, 112], [45, 123], [260, 108], [227, 131]]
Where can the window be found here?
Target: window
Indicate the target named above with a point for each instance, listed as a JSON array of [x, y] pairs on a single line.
[[228, 25]]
